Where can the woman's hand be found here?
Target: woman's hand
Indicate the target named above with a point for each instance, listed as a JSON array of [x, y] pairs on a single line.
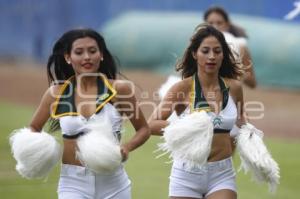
[[124, 152]]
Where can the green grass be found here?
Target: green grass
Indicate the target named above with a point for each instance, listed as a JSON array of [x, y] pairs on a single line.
[[149, 175]]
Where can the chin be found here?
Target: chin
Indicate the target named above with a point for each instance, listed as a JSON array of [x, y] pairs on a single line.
[[92, 70], [86, 73], [211, 71]]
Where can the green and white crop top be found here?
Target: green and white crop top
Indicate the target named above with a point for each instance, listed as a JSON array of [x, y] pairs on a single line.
[[226, 118], [72, 123]]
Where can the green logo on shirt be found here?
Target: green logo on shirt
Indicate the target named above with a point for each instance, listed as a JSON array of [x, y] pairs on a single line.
[[217, 121]]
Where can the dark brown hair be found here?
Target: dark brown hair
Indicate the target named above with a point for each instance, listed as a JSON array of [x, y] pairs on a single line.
[[188, 65]]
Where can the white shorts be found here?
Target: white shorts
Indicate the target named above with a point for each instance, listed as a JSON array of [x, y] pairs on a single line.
[[201, 181], [81, 183]]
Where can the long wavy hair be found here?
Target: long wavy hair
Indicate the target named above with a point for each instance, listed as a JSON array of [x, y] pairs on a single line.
[[59, 70], [188, 65]]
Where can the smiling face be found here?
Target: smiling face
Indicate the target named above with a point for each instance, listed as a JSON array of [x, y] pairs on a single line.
[[218, 21], [85, 56], [209, 55]]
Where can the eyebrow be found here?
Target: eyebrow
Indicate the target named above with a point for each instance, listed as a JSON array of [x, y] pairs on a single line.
[[87, 47], [212, 47]]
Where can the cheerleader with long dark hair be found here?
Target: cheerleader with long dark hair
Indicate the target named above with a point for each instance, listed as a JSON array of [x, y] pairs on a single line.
[[86, 100], [208, 102]]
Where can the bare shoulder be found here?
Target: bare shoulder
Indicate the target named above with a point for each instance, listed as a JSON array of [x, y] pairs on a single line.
[[122, 86], [52, 92], [183, 85], [233, 83], [236, 88], [55, 89], [180, 90]]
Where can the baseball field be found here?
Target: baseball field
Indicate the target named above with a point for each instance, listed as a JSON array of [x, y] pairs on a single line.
[[21, 88]]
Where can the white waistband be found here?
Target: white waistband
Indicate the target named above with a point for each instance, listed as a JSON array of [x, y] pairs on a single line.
[[69, 169], [217, 165]]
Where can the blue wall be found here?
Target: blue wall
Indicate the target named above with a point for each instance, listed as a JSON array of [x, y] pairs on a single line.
[[29, 27]]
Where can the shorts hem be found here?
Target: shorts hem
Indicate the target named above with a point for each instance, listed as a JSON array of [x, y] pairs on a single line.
[[219, 189], [184, 194]]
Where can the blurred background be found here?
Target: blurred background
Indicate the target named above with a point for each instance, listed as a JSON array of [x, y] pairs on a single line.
[[147, 37]]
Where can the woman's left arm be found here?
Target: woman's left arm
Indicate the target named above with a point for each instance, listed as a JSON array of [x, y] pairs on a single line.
[[128, 105], [236, 90]]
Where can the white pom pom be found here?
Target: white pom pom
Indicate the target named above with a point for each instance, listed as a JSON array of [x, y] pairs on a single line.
[[256, 158], [173, 117], [36, 153], [99, 149], [189, 139]]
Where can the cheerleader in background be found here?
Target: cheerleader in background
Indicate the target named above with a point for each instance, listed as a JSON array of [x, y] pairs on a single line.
[[236, 38]]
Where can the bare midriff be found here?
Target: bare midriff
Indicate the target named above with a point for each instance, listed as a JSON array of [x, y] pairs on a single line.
[[69, 152], [220, 147]]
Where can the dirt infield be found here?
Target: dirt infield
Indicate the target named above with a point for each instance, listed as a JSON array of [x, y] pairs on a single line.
[[26, 85]]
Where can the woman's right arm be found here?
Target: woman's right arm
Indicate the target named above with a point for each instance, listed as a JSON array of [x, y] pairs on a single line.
[[43, 111], [172, 101], [158, 119]]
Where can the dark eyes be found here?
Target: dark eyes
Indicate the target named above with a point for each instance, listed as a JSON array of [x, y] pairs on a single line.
[[78, 52], [217, 50], [218, 23], [206, 51], [93, 51], [90, 50]]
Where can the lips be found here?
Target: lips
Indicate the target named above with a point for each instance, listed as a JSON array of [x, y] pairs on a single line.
[[87, 65], [211, 65]]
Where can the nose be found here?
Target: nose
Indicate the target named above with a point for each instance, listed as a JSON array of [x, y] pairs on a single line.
[[86, 56], [215, 26], [211, 55]]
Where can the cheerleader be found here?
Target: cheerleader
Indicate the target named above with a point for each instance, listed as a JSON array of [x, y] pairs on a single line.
[[208, 103], [87, 102]]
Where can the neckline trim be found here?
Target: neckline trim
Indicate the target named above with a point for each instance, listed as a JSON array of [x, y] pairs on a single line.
[[198, 101], [64, 104]]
